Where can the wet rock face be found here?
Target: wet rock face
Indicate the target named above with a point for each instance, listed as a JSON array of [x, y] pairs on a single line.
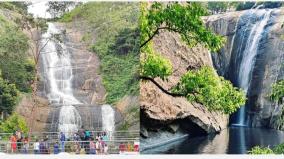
[[162, 111], [86, 84], [268, 67]]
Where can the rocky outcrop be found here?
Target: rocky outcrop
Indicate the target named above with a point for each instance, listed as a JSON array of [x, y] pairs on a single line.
[[38, 119], [225, 25], [268, 68], [128, 106], [160, 110]]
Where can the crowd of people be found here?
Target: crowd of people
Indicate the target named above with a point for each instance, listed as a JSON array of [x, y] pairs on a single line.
[[81, 142]]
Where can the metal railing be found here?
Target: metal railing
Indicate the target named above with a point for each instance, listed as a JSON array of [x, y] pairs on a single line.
[[118, 135], [127, 139], [73, 147]]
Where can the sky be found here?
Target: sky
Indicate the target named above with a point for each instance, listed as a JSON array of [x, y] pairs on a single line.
[[38, 9]]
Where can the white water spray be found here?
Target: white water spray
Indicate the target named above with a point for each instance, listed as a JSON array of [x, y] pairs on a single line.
[[108, 123]]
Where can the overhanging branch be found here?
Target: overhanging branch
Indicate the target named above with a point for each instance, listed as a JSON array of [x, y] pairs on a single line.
[[161, 87]]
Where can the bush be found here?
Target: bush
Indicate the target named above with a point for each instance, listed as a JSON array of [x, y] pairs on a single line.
[[154, 65], [127, 41], [13, 123], [206, 87], [8, 96], [259, 150], [277, 92], [244, 5]]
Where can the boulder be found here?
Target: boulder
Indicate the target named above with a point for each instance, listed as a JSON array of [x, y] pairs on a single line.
[[158, 108]]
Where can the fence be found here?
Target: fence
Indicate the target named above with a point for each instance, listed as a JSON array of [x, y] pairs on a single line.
[[118, 140]]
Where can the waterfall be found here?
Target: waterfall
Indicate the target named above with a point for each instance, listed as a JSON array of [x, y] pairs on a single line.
[[256, 22], [58, 71], [108, 117]]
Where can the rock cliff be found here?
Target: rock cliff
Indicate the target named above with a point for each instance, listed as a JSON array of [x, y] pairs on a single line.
[[268, 67], [159, 110]]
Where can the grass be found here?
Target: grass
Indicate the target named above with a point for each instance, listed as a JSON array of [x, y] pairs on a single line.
[[108, 21]]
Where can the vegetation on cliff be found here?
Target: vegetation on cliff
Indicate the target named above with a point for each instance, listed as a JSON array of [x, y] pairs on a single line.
[[203, 86], [115, 26], [277, 92], [16, 64]]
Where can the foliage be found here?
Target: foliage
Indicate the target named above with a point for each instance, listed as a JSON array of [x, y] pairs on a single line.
[[206, 87], [126, 42], [13, 123], [183, 19], [154, 65], [203, 86], [15, 64], [8, 96], [259, 150], [57, 8], [116, 43], [217, 7], [277, 92], [271, 4], [278, 149], [244, 5], [20, 7]]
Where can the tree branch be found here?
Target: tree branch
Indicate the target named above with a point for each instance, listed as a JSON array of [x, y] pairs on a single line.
[[156, 32], [161, 88]]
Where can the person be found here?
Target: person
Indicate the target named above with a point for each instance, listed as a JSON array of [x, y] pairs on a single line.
[[87, 146], [136, 146], [122, 148], [36, 147], [76, 137], [92, 146], [26, 145], [129, 147], [77, 148], [41, 147], [56, 148], [97, 146], [62, 140], [87, 135], [105, 149], [13, 141], [82, 137], [19, 139], [46, 145]]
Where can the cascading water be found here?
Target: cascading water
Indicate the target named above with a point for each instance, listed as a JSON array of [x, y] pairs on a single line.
[[257, 21], [108, 123], [58, 71]]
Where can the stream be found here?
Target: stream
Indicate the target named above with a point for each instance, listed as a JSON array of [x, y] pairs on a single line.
[[234, 140]]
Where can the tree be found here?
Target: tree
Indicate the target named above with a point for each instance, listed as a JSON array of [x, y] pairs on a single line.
[[183, 19], [214, 92], [8, 97], [199, 86], [218, 7], [244, 5], [15, 63], [13, 123], [57, 9]]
